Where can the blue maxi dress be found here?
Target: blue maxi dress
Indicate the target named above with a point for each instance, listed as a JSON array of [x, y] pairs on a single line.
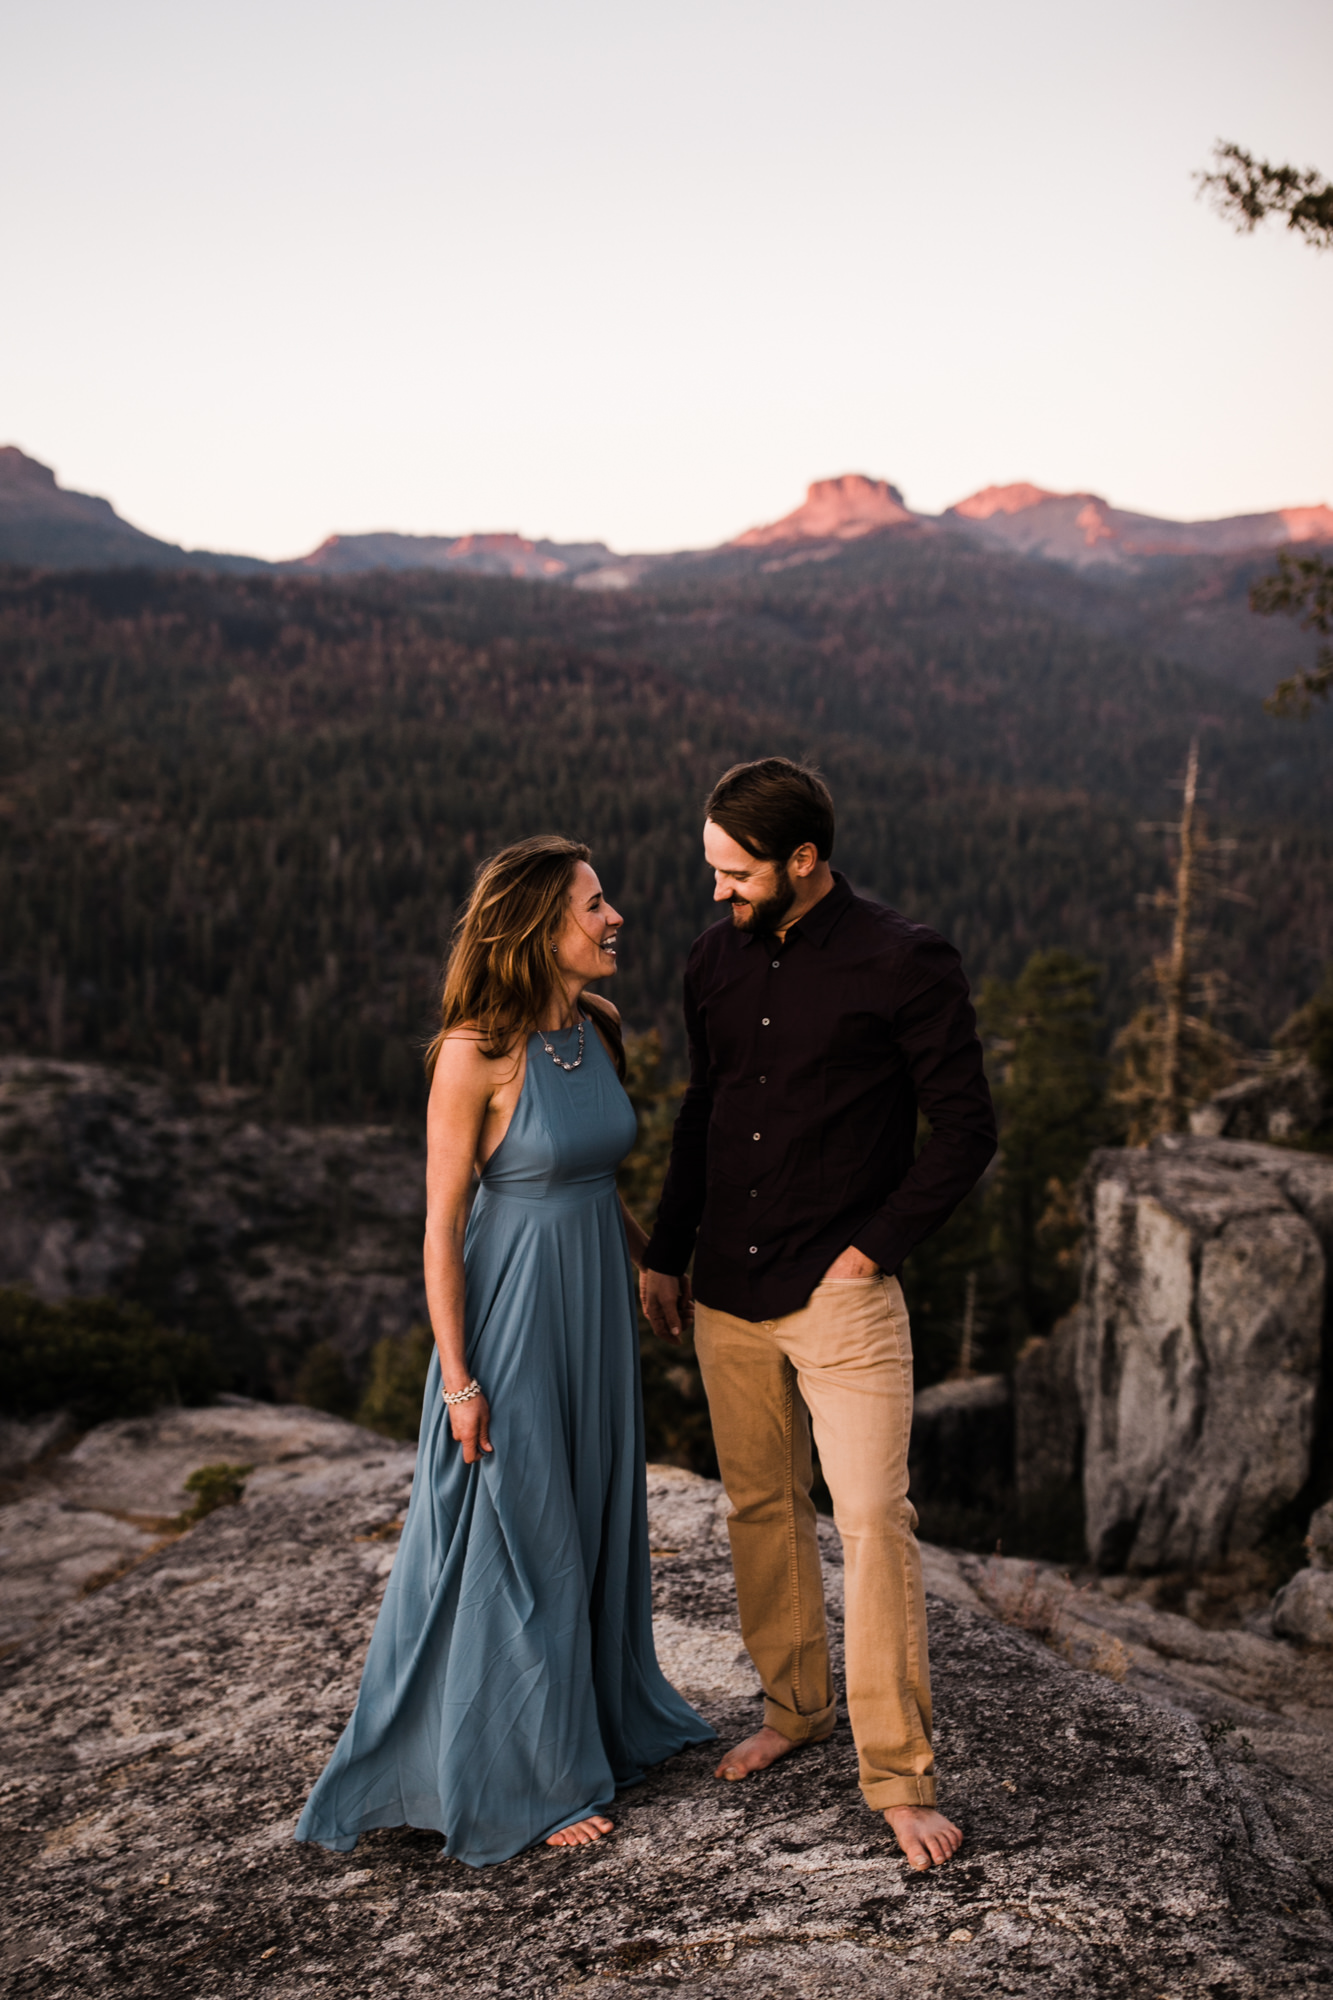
[[511, 1684]]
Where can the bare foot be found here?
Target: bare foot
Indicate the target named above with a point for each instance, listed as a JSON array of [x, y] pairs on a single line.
[[756, 1753], [582, 1831], [923, 1834]]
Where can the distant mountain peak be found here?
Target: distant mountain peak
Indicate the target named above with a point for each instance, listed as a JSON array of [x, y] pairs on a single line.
[[1084, 530], [841, 509], [1308, 524], [19, 473], [44, 523], [1002, 500]]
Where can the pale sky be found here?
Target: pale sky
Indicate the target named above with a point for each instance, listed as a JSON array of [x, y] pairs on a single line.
[[639, 273]]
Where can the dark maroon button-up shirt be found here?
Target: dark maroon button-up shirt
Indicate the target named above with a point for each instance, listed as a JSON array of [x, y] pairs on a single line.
[[796, 1136]]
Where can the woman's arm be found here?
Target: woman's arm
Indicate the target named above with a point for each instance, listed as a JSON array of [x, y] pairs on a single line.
[[635, 1235], [460, 1095]]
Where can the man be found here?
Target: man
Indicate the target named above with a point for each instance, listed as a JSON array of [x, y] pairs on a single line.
[[818, 1024]]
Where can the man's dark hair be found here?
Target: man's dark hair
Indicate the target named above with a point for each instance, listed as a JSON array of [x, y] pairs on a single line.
[[772, 807]]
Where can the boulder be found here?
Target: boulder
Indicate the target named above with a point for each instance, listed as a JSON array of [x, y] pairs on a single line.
[[1303, 1608], [961, 1456], [1319, 1539], [1278, 1103], [1199, 1347], [1048, 1418], [161, 1734]]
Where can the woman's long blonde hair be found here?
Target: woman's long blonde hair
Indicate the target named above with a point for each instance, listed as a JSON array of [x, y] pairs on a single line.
[[502, 966]]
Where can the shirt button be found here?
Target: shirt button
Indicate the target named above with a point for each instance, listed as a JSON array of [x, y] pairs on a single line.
[[756, 1135], [754, 1249], [764, 1022], [763, 1079], [775, 964], [753, 1193]]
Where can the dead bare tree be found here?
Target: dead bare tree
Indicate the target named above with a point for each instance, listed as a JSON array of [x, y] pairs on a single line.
[[1172, 1053]]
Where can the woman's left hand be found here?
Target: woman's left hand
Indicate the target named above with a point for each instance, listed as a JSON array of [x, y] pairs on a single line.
[[471, 1425]]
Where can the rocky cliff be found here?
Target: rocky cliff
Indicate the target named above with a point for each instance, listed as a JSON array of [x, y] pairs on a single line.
[[1137, 1822], [264, 1237], [1201, 1346]]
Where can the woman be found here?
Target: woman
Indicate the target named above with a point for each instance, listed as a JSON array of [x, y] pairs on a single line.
[[511, 1684]]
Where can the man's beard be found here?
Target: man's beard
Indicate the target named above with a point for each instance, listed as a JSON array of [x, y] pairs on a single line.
[[765, 916]]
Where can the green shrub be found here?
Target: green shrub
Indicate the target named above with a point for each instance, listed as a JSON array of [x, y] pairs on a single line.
[[97, 1359], [392, 1402], [214, 1486], [322, 1381]]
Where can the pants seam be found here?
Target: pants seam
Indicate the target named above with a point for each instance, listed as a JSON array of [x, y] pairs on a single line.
[[793, 1554]]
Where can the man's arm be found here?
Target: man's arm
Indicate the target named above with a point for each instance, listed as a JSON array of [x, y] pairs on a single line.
[[663, 1288], [936, 1029]]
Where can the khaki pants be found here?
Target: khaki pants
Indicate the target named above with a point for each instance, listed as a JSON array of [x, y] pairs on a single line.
[[845, 1361]]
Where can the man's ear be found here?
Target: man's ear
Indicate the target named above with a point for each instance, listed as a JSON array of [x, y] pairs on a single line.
[[805, 860]]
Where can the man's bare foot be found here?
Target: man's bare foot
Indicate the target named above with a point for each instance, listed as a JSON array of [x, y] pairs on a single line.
[[923, 1834], [756, 1753], [582, 1831]]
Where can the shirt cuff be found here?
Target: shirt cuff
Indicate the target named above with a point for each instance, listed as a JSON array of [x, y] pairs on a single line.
[[886, 1242]]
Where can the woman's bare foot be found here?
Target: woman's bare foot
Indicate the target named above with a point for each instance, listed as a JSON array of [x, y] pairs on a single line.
[[923, 1834], [756, 1753], [582, 1831]]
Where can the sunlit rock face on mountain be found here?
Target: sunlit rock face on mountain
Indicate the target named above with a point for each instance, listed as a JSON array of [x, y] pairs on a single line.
[[835, 509], [1082, 529], [480, 555]]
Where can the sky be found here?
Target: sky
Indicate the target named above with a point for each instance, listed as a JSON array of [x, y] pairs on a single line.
[[640, 273]]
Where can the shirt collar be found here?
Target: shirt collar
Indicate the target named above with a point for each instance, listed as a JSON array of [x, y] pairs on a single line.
[[817, 923]]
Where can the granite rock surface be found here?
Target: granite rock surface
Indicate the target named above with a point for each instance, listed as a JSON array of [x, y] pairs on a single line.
[[1204, 1295], [77, 1516], [161, 1733]]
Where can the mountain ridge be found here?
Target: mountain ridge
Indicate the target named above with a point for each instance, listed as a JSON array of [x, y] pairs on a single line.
[[47, 526]]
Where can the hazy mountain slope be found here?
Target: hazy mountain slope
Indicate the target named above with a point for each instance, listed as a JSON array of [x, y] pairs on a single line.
[[45, 525], [1177, 590], [479, 555], [1007, 670], [1084, 530]]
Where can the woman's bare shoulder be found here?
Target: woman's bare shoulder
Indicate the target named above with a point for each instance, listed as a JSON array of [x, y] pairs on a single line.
[[465, 1058]]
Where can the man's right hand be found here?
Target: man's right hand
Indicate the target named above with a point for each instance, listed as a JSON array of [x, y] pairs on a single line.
[[667, 1302]]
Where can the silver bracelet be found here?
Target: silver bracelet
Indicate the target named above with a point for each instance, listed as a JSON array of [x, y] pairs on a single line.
[[467, 1395]]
